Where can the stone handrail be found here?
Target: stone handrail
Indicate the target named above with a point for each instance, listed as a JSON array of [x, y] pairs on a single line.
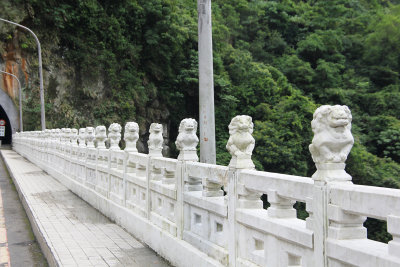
[[197, 214]]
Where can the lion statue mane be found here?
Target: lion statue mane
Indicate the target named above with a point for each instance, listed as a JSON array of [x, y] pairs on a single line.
[[332, 140]]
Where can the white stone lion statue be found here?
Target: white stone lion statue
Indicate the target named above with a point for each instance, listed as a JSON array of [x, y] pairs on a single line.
[[131, 135], [332, 140], [90, 137], [101, 136], [241, 142], [187, 140], [155, 140], [81, 137], [74, 137], [114, 135], [67, 135]]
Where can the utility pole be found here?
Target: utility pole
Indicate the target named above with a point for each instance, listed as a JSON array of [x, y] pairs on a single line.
[[42, 111], [206, 84]]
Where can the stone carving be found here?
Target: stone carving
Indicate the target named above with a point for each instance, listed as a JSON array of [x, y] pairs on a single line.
[[155, 140], [47, 134], [74, 137], [90, 137], [241, 143], [114, 135], [57, 133], [101, 136], [62, 135], [187, 140], [82, 137], [332, 141], [131, 135], [52, 135], [67, 135]]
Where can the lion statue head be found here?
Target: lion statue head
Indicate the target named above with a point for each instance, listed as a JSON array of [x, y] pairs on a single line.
[[332, 140], [331, 116], [188, 125], [155, 128], [241, 123]]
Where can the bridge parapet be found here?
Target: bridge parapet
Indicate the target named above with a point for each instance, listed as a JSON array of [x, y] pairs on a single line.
[[197, 214]]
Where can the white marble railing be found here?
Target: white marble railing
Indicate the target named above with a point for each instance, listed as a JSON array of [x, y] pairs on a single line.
[[178, 207]]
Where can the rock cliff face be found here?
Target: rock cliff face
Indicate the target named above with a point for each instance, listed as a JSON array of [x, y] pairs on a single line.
[[13, 62]]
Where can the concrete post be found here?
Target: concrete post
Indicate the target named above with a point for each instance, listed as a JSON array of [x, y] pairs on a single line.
[[329, 154], [206, 84]]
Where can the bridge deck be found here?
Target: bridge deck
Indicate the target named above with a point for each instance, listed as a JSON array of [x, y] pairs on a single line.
[[70, 231]]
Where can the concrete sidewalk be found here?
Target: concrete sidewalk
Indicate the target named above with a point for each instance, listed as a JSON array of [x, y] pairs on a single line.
[[71, 232], [18, 246]]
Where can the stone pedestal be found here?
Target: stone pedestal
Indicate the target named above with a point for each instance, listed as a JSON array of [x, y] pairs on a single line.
[[188, 155], [331, 172], [243, 161], [155, 152]]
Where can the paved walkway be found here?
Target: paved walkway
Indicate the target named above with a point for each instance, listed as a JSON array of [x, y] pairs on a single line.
[[18, 246], [71, 232]]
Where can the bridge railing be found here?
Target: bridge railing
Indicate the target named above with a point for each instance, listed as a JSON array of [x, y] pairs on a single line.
[[197, 214]]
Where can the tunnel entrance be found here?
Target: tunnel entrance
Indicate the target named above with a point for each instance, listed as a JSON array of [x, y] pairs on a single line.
[[5, 130]]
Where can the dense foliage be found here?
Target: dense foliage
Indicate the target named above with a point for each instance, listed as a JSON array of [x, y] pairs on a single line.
[[276, 61]]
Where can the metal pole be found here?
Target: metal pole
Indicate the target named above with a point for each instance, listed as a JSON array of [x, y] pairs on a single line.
[[42, 111], [206, 83], [21, 127]]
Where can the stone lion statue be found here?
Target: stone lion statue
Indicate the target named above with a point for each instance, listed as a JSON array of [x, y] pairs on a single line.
[[66, 135], [101, 136], [131, 135], [241, 142], [187, 138], [81, 137], [74, 136], [332, 140], [90, 137], [114, 135], [62, 135], [155, 139]]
